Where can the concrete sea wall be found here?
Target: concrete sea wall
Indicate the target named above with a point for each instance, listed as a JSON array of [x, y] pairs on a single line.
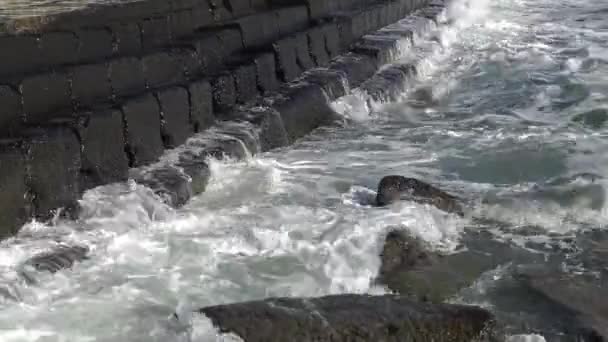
[[96, 96]]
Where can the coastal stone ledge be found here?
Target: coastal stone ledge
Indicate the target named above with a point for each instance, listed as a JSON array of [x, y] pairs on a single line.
[[102, 112]]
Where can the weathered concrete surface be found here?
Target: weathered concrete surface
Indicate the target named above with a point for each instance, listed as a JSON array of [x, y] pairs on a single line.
[[395, 188], [352, 318]]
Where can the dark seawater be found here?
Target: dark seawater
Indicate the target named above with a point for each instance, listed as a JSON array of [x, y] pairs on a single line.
[[516, 124]]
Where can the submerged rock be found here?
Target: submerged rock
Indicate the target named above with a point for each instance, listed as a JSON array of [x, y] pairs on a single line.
[[581, 296], [411, 269], [352, 318], [595, 118], [395, 188], [61, 257]]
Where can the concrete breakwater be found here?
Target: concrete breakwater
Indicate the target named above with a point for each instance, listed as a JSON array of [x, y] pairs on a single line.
[[94, 96]]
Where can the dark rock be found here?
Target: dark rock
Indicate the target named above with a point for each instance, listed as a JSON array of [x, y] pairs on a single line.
[[127, 39], [19, 53], [356, 68], [224, 92], [13, 190], [351, 318], [175, 109], [291, 19], [584, 296], [332, 39], [143, 127], [201, 105], [595, 118], [258, 29], [164, 68], [411, 269], [268, 123], [127, 76], [104, 159], [388, 83], [90, 84], [45, 94], [217, 147], [395, 188], [54, 168], [59, 48], [244, 131], [303, 108], [266, 72], [155, 32], [11, 115], [303, 55], [286, 51], [316, 44], [332, 82], [61, 257], [168, 182], [197, 169], [95, 44]]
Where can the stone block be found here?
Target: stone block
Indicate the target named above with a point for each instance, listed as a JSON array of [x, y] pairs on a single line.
[[245, 77], [169, 183], [201, 15], [356, 68], [127, 39], [286, 56], [224, 92], [95, 45], [332, 39], [143, 126], [231, 40], [268, 123], [90, 84], [127, 76], [210, 50], [332, 82], [15, 208], [303, 107], [259, 29], [59, 48], [11, 112], [182, 23], [291, 19], [54, 169], [155, 32], [19, 54], [316, 45], [201, 105], [175, 109], [303, 56], [44, 94], [238, 7], [163, 68], [266, 72], [103, 156], [197, 169]]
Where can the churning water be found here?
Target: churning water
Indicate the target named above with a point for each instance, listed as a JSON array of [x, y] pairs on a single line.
[[509, 111]]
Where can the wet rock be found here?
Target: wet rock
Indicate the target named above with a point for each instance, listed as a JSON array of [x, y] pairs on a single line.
[[352, 318], [422, 98], [582, 296], [595, 118], [395, 188], [411, 269], [197, 169], [169, 183], [61, 257]]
